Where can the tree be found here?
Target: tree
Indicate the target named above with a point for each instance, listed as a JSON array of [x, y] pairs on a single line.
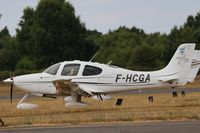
[[8, 53], [25, 32], [52, 33], [4, 32], [118, 45], [190, 22]]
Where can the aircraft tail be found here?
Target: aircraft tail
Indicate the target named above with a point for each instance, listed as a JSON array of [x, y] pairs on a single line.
[[179, 67]]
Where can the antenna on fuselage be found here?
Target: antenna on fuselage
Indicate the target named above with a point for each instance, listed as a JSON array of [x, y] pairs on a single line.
[[94, 56], [109, 62]]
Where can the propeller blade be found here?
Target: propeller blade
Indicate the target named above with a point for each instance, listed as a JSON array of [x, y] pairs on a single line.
[[11, 87], [11, 92]]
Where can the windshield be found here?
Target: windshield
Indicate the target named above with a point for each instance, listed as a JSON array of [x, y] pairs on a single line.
[[52, 69]]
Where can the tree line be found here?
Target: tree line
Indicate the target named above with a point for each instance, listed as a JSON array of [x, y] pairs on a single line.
[[52, 33]]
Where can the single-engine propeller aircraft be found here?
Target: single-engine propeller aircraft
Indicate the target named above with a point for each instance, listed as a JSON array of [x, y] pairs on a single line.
[[74, 79]]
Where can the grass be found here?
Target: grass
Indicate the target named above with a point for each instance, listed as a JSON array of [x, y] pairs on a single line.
[[5, 90], [135, 108]]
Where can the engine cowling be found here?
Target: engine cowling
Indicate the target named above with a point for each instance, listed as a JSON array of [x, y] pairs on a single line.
[[27, 106]]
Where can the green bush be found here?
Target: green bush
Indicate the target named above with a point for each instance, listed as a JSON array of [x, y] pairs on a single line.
[[4, 75], [25, 64]]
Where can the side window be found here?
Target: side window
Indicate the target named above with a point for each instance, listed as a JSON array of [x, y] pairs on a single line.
[[70, 70], [91, 70]]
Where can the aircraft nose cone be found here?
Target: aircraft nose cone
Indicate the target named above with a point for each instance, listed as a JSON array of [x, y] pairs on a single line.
[[8, 81]]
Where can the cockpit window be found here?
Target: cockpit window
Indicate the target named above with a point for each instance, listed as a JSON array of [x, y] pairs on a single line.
[[52, 69], [91, 70], [70, 70]]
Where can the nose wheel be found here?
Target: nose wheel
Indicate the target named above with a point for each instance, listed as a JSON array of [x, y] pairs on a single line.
[[25, 106]]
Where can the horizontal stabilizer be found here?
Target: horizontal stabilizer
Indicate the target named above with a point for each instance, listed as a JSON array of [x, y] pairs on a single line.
[[195, 66]]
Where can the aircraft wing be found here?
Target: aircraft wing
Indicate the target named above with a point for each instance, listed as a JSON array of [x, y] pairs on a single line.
[[65, 87]]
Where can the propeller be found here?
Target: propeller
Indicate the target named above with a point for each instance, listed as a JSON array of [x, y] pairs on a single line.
[[11, 86], [10, 81], [11, 92]]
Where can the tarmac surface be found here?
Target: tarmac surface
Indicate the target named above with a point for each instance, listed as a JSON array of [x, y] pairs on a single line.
[[156, 127]]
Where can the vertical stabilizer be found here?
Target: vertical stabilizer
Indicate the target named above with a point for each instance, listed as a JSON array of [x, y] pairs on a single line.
[[180, 64]]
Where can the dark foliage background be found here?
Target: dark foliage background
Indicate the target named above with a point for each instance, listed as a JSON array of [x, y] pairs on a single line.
[[53, 33]]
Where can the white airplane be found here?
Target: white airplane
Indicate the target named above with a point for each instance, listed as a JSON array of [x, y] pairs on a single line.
[[74, 79]]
